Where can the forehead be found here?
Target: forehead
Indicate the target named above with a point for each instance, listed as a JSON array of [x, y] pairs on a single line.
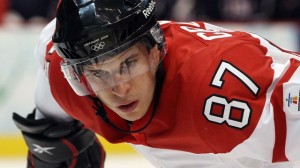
[[135, 50]]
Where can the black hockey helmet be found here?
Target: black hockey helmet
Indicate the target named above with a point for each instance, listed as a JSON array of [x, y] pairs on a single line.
[[82, 23], [90, 30]]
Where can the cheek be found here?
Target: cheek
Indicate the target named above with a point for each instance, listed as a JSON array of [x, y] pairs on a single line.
[[104, 96], [148, 84]]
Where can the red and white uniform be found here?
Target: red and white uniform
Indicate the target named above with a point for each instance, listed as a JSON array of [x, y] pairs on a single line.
[[229, 99]]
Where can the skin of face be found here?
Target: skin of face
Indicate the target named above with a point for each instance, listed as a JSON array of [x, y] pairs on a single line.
[[131, 99]]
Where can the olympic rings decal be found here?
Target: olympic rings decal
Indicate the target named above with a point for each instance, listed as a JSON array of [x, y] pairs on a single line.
[[98, 46]]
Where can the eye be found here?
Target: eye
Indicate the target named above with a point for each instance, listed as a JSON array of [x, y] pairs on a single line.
[[101, 74], [129, 63]]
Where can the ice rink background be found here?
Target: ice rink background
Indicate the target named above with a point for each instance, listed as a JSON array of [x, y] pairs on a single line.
[[112, 161], [17, 81]]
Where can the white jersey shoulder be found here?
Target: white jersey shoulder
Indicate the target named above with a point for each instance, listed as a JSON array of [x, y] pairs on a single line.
[[44, 39], [46, 106]]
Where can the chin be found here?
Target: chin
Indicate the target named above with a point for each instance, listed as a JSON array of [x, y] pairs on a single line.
[[132, 117]]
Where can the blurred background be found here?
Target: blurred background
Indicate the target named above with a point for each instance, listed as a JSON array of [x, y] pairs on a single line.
[[21, 21]]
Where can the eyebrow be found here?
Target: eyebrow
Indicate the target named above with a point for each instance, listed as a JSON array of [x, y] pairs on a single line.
[[94, 66], [133, 55]]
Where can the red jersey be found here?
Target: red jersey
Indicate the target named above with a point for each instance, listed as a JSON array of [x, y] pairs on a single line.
[[229, 99]]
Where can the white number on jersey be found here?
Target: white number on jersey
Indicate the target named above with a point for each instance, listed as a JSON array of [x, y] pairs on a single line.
[[229, 106], [206, 34], [227, 67], [227, 110]]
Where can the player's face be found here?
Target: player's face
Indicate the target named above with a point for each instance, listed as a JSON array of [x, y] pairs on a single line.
[[131, 99]]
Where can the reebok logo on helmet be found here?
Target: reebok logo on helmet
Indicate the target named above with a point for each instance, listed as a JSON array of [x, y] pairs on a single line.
[[149, 9]]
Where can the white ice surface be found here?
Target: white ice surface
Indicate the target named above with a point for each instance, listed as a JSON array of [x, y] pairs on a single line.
[[112, 161]]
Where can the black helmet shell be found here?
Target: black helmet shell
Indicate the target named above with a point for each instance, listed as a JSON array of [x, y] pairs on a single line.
[[88, 28]]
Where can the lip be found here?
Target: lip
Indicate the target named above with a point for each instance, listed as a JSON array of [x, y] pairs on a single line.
[[128, 107]]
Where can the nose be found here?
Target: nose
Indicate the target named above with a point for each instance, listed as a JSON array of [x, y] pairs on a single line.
[[121, 89]]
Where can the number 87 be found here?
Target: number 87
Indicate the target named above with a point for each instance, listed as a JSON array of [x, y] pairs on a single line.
[[228, 106]]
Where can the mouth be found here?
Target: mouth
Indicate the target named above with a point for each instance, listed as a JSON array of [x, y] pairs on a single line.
[[128, 107]]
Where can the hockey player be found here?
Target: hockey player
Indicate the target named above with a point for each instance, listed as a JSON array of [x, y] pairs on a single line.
[[182, 94]]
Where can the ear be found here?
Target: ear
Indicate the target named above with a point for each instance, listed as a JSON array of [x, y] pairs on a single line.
[[155, 55]]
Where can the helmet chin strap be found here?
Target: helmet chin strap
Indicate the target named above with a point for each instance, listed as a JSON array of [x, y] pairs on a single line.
[[102, 113]]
